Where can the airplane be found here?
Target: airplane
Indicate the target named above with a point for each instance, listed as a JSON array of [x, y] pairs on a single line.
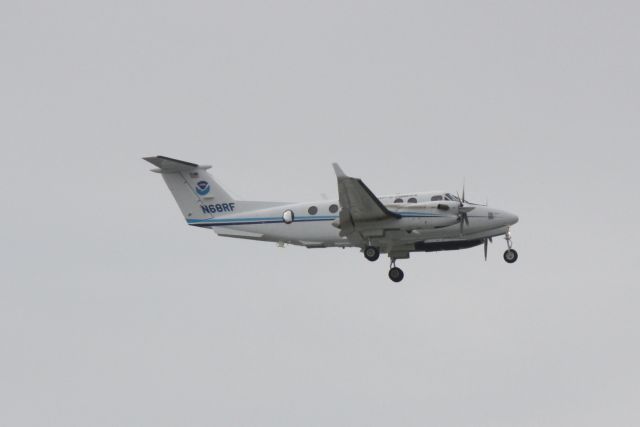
[[396, 225]]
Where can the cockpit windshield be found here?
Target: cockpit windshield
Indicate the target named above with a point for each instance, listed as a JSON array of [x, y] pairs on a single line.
[[446, 196]]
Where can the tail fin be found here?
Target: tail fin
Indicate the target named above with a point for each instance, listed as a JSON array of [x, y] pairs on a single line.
[[198, 195]]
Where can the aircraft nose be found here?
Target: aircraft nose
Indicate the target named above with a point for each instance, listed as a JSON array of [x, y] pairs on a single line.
[[510, 218]]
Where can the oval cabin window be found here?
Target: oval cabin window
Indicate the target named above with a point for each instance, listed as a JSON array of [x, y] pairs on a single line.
[[288, 216]]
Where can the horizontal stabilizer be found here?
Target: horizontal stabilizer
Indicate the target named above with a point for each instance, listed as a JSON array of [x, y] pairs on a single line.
[[168, 165]]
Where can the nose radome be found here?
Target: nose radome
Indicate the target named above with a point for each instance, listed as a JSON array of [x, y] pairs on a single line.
[[511, 218]]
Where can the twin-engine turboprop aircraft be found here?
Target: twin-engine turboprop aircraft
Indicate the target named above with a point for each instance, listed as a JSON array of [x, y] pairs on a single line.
[[396, 225]]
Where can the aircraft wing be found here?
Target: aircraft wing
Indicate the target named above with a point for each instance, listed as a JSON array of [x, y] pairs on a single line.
[[358, 203]]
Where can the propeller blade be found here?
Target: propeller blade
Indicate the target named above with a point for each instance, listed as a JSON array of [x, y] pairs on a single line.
[[486, 246], [462, 209], [463, 199], [463, 219]]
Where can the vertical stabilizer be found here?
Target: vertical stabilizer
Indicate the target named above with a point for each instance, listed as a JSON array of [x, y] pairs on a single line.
[[198, 195]]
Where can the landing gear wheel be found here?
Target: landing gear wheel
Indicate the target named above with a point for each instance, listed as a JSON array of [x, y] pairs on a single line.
[[396, 274], [510, 256], [371, 253]]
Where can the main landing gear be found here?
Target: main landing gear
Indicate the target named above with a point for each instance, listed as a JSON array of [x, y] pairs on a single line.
[[395, 273], [371, 253], [510, 255]]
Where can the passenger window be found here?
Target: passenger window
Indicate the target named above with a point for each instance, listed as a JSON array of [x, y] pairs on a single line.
[[398, 201], [434, 198], [313, 210], [288, 216], [412, 200], [333, 208]]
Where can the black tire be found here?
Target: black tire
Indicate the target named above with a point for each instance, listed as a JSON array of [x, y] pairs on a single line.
[[396, 274], [510, 256], [371, 253]]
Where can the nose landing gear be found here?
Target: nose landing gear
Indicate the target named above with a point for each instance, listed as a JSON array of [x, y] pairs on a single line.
[[510, 255]]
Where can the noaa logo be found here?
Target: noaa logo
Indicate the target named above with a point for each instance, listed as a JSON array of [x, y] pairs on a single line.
[[202, 188]]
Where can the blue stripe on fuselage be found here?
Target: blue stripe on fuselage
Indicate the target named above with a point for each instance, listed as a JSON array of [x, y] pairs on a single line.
[[277, 219]]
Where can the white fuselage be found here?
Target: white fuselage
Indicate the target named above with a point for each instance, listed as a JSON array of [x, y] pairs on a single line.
[[315, 224], [396, 225]]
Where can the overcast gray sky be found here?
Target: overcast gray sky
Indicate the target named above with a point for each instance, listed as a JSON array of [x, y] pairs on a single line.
[[113, 312]]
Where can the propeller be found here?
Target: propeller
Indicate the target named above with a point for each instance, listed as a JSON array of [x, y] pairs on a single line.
[[463, 200], [486, 246], [463, 218]]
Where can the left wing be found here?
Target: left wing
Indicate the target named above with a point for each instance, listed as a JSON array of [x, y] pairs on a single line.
[[358, 203]]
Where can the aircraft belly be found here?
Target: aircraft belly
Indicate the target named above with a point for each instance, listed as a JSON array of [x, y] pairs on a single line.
[[405, 237], [319, 232]]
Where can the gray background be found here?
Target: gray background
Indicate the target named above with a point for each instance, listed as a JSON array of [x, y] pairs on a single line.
[[113, 312]]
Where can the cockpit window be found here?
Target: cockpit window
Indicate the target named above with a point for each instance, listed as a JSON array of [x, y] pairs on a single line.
[[434, 198], [450, 196]]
